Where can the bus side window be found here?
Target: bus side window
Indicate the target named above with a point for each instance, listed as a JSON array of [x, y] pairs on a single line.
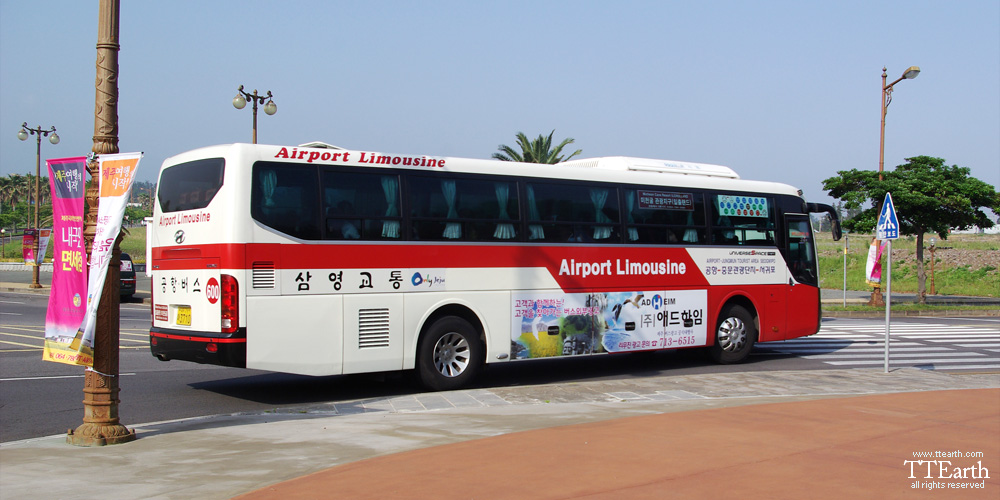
[[453, 209], [360, 205], [739, 219], [284, 198], [573, 212], [340, 223], [664, 216]]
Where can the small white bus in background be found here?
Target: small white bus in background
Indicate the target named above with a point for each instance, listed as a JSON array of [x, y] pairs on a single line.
[[321, 261]]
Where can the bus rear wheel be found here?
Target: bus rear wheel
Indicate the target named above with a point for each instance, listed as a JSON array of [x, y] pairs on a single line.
[[450, 354], [735, 335]]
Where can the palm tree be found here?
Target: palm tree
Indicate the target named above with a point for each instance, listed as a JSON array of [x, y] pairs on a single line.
[[538, 150], [6, 191], [15, 189], [44, 191]]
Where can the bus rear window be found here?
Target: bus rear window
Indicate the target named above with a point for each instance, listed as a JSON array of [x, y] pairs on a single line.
[[190, 186]]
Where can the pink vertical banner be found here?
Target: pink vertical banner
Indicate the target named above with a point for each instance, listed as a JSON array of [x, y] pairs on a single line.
[[873, 267], [67, 299], [28, 246]]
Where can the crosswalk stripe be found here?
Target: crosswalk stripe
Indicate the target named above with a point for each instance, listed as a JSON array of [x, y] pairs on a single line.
[[955, 347], [896, 355], [876, 350], [897, 363]]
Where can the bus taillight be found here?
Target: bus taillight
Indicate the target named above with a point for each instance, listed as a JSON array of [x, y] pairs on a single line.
[[230, 299]]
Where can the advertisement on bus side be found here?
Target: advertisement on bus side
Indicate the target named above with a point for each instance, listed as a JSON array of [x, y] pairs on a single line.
[[567, 324]]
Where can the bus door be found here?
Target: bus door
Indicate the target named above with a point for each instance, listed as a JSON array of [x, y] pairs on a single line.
[[803, 289]]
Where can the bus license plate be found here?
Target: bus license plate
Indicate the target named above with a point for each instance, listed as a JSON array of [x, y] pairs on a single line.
[[184, 315]]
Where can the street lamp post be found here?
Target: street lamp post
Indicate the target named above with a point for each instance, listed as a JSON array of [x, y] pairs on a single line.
[[54, 139], [909, 74], [240, 101]]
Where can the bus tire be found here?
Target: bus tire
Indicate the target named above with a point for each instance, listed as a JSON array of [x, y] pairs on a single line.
[[735, 335], [450, 354]]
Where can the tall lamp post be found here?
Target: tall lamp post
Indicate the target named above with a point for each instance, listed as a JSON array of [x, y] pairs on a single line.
[[240, 101], [909, 74], [54, 139]]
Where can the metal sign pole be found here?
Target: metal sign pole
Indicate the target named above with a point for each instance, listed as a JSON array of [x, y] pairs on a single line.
[[888, 301], [887, 228]]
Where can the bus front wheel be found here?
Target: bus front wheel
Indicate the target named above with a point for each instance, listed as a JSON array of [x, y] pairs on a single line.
[[735, 335], [450, 354]]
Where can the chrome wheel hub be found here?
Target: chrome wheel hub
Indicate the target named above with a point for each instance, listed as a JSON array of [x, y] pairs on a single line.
[[732, 335], [451, 355]]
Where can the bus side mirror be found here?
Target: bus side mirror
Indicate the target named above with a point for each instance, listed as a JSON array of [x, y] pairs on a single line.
[[822, 208]]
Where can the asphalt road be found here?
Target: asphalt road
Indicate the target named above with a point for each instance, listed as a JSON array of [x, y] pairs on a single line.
[[39, 398]]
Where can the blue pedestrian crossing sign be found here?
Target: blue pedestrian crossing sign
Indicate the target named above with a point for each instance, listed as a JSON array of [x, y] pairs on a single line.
[[888, 225]]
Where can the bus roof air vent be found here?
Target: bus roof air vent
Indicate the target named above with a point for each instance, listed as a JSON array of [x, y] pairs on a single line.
[[586, 163], [320, 145], [650, 165]]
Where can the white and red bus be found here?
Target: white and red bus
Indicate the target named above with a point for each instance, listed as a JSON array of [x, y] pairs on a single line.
[[320, 261]]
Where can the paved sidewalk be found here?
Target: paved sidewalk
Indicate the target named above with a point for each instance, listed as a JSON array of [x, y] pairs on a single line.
[[829, 448], [808, 434]]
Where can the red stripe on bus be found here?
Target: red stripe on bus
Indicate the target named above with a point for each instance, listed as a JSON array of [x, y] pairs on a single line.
[[603, 264], [198, 339], [220, 255]]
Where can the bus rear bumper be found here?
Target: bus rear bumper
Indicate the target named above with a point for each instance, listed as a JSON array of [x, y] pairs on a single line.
[[166, 345]]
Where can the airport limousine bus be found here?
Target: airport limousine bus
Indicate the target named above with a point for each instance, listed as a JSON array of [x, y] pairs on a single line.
[[318, 260]]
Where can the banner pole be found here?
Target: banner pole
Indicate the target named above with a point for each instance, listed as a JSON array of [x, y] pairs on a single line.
[[100, 391]]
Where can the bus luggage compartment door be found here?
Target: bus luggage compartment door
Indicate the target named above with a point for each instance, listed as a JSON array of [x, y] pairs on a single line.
[[300, 334]]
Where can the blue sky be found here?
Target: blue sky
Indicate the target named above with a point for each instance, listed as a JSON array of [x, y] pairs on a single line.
[[779, 90]]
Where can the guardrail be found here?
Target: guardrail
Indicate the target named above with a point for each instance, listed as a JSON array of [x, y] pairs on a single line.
[[20, 266], [47, 267]]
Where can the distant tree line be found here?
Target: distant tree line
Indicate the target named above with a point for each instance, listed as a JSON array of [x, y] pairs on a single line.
[[17, 192]]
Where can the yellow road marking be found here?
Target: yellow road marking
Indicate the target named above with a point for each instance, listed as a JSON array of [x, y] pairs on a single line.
[[24, 336], [18, 343]]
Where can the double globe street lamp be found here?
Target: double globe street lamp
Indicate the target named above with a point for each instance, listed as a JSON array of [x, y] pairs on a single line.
[[240, 102], [54, 139]]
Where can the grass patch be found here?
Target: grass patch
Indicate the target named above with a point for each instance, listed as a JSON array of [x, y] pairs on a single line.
[[134, 243], [965, 264]]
